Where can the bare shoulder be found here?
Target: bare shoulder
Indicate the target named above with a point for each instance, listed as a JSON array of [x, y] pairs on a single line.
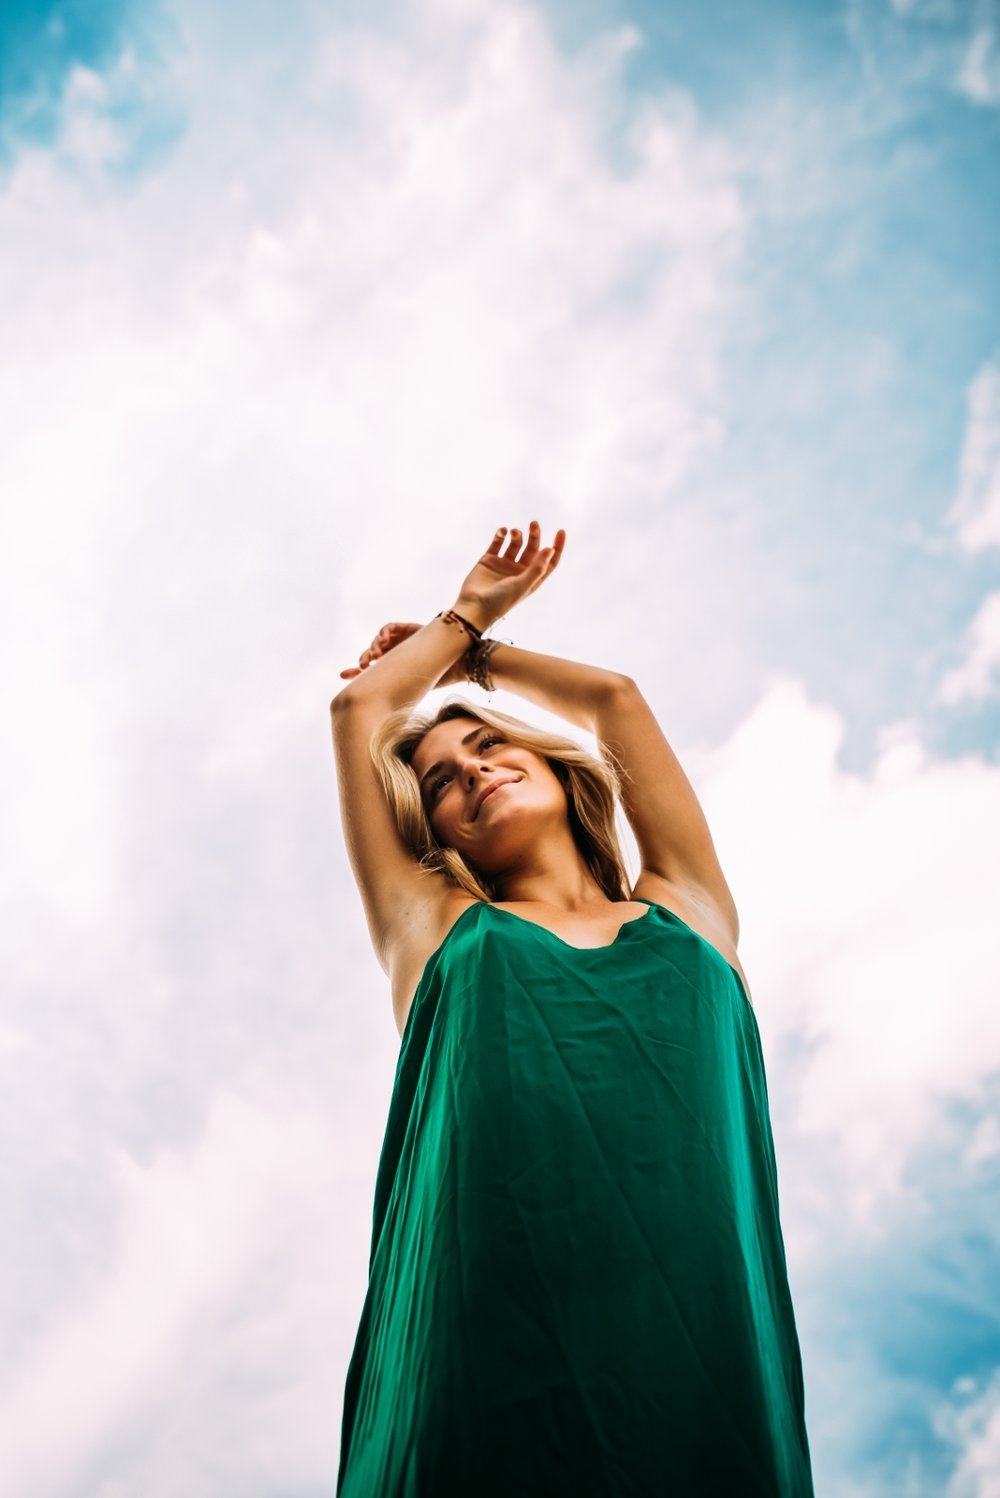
[[418, 931], [698, 909]]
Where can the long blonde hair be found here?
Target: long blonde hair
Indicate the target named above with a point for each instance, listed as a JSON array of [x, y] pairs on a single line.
[[595, 785]]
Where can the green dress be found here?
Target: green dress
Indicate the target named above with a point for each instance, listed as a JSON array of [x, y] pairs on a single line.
[[577, 1284]]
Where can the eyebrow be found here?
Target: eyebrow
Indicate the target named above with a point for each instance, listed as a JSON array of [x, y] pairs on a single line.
[[440, 764]]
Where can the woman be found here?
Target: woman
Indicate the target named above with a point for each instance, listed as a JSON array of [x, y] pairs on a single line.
[[577, 1283]]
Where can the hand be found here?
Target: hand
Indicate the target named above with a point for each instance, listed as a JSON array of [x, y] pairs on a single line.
[[393, 634], [388, 636], [501, 579], [494, 585]]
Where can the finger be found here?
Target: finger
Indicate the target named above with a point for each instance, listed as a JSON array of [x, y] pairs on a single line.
[[495, 545], [548, 560], [534, 536], [514, 545], [551, 554]]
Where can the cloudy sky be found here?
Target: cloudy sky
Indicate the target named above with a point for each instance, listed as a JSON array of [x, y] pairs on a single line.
[[297, 304]]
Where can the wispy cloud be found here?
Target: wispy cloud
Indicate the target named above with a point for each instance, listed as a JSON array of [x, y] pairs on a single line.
[[190, 1293], [975, 677], [979, 75], [971, 1422], [975, 512]]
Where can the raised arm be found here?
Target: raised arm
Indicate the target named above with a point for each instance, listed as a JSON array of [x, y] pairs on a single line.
[[396, 894], [670, 827], [665, 814]]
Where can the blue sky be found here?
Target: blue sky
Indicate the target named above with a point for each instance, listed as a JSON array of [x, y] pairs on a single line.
[[293, 317], [44, 43]]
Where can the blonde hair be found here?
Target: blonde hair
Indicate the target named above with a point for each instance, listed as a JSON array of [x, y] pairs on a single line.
[[595, 785]]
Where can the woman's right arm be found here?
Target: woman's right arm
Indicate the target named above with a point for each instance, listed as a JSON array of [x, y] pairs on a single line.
[[411, 669], [395, 891]]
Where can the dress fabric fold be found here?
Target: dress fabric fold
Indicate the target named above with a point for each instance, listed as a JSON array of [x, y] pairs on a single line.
[[577, 1281]]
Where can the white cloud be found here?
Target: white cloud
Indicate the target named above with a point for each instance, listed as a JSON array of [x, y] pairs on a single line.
[[867, 908], [926, 10], [372, 296], [970, 1421], [204, 1286], [975, 677], [979, 76], [90, 141], [976, 510]]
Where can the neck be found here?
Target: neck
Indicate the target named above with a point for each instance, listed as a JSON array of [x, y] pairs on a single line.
[[562, 884]]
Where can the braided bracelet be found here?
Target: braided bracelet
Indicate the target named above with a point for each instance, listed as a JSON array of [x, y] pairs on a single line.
[[477, 663], [451, 617], [477, 657]]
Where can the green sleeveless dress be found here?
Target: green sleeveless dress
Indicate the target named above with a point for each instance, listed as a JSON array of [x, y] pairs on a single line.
[[577, 1283]]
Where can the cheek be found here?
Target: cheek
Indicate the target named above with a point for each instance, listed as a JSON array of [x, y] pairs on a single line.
[[440, 819]]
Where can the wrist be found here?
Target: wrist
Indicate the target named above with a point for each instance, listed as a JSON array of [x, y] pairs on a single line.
[[475, 612]]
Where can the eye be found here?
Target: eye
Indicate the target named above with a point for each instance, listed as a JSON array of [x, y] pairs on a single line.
[[489, 738]]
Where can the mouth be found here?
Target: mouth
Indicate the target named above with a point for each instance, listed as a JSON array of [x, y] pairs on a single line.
[[490, 791]]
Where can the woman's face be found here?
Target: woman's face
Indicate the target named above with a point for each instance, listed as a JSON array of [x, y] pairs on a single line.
[[457, 762]]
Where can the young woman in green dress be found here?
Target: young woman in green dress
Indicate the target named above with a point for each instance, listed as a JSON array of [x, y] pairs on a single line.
[[577, 1281]]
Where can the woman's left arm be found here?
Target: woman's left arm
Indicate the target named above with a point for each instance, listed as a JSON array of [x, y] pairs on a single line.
[[568, 688], [664, 813]]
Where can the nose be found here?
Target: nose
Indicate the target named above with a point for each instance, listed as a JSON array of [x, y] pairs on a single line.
[[475, 776]]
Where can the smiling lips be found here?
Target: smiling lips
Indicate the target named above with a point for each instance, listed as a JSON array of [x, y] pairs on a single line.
[[489, 791]]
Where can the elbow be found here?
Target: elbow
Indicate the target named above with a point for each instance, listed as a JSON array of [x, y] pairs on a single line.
[[343, 699]]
